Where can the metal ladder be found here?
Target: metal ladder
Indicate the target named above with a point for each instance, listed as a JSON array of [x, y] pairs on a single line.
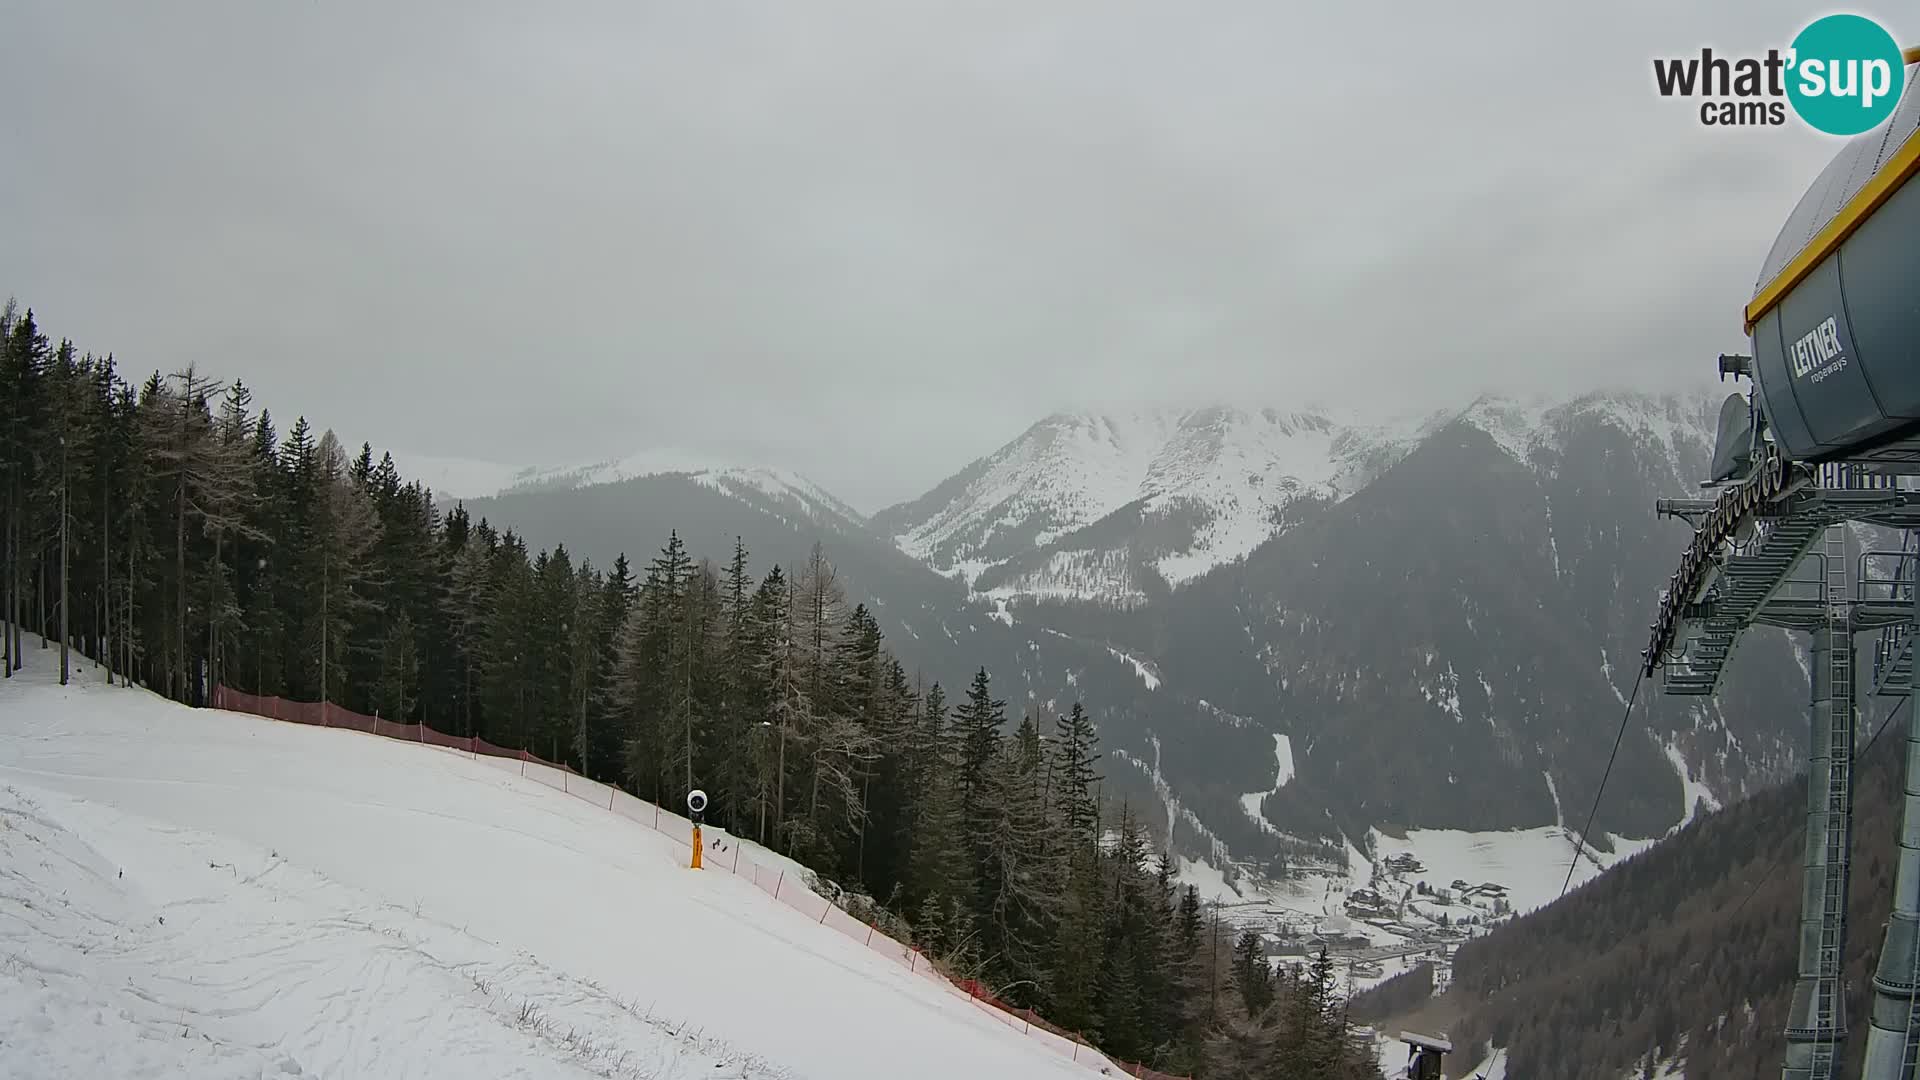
[[1827, 1001], [1910, 1048]]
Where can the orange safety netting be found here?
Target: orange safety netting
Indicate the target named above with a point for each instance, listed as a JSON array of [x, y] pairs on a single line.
[[773, 880]]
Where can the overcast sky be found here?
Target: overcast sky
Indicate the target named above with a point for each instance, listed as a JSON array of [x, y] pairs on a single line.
[[872, 241]]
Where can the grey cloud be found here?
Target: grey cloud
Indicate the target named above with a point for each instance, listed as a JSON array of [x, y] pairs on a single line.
[[872, 241]]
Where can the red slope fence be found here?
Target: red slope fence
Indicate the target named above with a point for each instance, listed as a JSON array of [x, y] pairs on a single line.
[[771, 880]]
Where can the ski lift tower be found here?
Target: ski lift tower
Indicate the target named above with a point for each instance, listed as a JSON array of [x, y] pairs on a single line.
[[1829, 435]]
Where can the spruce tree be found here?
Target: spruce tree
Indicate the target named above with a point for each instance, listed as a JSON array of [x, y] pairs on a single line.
[[938, 869], [743, 695], [977, 735], [1076, 752], [399, 671], [587, 599], [1251, 975]]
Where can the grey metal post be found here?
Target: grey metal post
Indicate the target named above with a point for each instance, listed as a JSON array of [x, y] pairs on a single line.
[[1893, 1035], [1816, 1021]]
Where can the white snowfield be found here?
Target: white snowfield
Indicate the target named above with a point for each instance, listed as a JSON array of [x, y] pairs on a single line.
[[201, 893]]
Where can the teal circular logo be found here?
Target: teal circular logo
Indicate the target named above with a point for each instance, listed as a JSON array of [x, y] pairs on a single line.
[[1845, 75]]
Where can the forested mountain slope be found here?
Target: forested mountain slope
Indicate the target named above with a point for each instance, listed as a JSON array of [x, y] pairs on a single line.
[[1448, 605], [1687, 949], [1471, 622]]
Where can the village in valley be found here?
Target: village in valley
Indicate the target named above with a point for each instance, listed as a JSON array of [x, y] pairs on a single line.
[[1375, 920]]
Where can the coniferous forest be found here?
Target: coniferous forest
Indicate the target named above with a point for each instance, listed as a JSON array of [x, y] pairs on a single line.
[[170, 530]]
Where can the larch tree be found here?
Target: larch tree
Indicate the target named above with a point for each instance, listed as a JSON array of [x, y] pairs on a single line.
[[346, 529]]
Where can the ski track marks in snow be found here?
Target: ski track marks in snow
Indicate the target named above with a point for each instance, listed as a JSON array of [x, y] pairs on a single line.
[[343, 904], [173, 952]]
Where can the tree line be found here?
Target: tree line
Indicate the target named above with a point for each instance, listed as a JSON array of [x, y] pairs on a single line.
[[170, 533]]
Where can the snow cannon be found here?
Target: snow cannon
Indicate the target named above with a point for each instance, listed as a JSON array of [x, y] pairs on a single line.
[[1425, 1055], [696, 805], [1834, 320]]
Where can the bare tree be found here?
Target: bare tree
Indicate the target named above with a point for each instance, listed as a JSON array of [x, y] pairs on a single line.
[[348, 529], [208, 484]]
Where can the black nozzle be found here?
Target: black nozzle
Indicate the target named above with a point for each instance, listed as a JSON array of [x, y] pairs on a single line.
[[1736, 365]]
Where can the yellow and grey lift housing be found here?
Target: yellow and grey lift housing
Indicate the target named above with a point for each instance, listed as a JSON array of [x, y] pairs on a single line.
[[1835, 320], [1833, 422]]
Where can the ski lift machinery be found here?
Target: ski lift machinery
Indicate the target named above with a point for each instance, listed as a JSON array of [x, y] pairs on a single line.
[[1830, 434]]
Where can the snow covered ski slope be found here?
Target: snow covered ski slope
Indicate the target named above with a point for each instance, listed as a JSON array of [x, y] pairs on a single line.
[[211, 894]]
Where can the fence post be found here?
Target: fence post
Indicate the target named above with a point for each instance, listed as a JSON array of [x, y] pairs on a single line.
[[777, 884], [736, 856], [523, 761]]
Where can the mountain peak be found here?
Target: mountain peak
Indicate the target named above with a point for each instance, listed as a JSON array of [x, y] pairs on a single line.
[[1111, 505], [466, 479]]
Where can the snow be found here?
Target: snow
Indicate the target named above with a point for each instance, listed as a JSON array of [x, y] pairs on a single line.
[[781, 485], [1530, 863], [169, 951], [1694, 792], [1674, 1068], [459, 478], [1232, 470], [1065, 472], [1081, 574], [1139, 667], [1445, 693], [1283, 763], [1176, 813], [340, 904], [1676, 427], [1208, 881], [1553, 545], [468, 479], [1606, 672]]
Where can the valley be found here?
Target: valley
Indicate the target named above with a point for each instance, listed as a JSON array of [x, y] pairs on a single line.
[[1301, 634]]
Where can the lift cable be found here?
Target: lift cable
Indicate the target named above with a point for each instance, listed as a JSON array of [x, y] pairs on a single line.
[[1581, 846], [1885, 722]]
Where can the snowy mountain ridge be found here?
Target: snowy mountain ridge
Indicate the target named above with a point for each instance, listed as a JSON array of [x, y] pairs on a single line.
[[1118, 507], [1217, 481], [1097, 506], [464, 479]]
